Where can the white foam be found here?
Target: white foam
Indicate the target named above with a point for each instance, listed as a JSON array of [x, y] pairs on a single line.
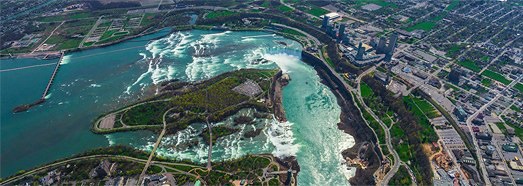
[[282, 137], [110, 139], [48, 95], [95, 85], [267, 35], [65, 60]]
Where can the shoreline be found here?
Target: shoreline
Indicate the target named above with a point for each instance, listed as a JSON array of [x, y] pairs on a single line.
[[350, 123]]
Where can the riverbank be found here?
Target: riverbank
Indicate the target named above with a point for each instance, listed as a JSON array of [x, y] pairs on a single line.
[[129, 163], [351, 123]]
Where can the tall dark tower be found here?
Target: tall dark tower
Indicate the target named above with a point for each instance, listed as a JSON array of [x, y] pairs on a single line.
[[325, 22], [289, 178], [381, 46], [341, 32], [361, 52], [346, 39], [392, 43]]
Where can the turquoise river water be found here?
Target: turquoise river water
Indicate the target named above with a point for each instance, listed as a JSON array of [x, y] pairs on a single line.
[[95, 81]]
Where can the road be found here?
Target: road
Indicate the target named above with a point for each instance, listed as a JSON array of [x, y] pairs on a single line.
[[475, 142], [128, 158], [209, 156], [388, 138], [148, 163], [51, 34]]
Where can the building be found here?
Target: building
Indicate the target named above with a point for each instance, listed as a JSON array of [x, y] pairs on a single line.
[[325, 22], [381, 46], [360, 53], [460, 113], [341, 32], [383, 77], [484, 136], [105, 168], [331, 16], [510, 147], [516, 164], [391, 47]]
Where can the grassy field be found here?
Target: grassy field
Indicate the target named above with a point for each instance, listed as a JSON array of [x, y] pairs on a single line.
[[382, 3], [292, 32], [221, 13], [501, 127], [453, 50], [426, 108], [517, 129], [519, 87], [495, 76], [515, 108], [81, 15], [453, 4], [425, 25], [418, 106], [396, 132], [486, 82], [284, 8], [469, 64], [61, 42], [403, 150], [366, 91], [316, 11]]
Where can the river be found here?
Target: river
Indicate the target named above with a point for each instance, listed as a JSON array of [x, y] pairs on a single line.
[[95, 81]]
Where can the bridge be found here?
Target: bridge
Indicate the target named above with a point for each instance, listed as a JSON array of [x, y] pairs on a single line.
[[48, 87], [26, 107]]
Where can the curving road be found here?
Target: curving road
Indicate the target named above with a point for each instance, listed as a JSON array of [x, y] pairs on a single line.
[[388, 138]]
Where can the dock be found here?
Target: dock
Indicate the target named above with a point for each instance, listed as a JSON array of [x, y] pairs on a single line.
[[48, 87], [26, 107]]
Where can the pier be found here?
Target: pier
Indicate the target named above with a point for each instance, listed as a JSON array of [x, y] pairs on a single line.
[[26, 107], [52, 77]]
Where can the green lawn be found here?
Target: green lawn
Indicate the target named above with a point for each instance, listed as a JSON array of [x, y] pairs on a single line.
[[425, 25], [382, 3], [63, 43], [403, 151], [501, 127], [519, 87], [427, 133], [496, 76], [486, 82], [108, 34], [426, 108], [515, 108], [292, 32], [470, 65], [317, 11], [517, 129], [453, 50], [266, 4], [453, 4], [284, 8], [396, 132], [221, 13], [366, 91]]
